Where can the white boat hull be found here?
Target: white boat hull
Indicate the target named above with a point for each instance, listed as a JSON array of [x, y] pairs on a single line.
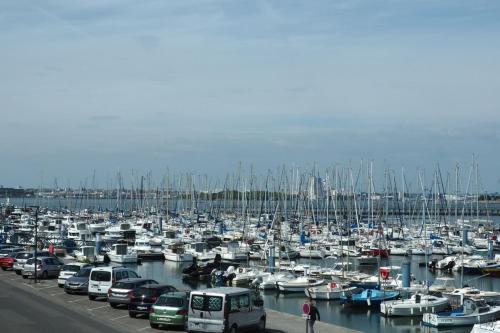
[[436, 320]]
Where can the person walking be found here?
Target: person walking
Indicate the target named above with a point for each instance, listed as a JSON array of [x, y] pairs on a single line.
[[313, 316]]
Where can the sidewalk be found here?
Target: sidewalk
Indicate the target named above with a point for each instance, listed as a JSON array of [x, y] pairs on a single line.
[[278, 322]]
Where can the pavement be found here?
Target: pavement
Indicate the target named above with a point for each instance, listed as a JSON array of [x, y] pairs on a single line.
[[45, 308]]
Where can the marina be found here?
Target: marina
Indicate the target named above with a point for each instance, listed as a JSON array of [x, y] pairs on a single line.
[[349, 276]]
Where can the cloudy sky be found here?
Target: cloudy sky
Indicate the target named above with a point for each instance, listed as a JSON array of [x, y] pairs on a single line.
[[200, 85]]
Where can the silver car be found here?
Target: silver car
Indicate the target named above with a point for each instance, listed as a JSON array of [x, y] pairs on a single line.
[[23, 256], [45, 267]]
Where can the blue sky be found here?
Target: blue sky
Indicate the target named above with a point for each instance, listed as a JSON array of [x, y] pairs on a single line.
[[200, 85]]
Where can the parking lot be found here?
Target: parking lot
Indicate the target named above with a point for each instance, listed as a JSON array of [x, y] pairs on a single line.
[[26, 306], [98, 310]]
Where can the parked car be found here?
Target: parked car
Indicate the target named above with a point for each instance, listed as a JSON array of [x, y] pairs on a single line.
[[69, 270], [121, 292], [23, 256], [10, 251], [144, 297], [78, 283], [225, 309], [7, 262], [45, 267], [102, 278], [170, 309]]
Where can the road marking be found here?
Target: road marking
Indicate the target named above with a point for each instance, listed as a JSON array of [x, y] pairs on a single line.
[[58, 294], [119, 318], [99, 307], [28, 285], [142, 329], [77, 300], [47, 287]]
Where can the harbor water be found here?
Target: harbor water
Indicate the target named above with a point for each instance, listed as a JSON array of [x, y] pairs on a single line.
[[364, 320]]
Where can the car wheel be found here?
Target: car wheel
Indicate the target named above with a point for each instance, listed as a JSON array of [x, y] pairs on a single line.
[[45, 275], [262, 325], [61, 285], [25, 276], [154, 325], [132, 314], [92, 297], [234, 329], [4, 269], [18, 272], [113, 305]]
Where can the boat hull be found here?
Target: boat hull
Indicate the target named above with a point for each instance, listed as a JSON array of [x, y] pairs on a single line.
[[437, 320], [401, 309]]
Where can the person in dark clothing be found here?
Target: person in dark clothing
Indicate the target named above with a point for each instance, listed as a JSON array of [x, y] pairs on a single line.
[[313, 316]]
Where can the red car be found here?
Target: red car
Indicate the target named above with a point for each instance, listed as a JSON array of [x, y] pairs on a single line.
[[7, 262]]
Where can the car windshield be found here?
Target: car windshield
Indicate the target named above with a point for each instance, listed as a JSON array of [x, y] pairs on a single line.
[[147, 292], [24, 255], [32, 260], [83, 272], [170, 301], [100, 276], [71, 268]]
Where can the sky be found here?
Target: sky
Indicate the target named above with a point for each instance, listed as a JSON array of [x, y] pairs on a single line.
[[199, 86]]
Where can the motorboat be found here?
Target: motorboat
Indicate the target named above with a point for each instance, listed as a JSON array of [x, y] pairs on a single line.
[[416, 305], [490, 297], [299, 284], [369, 297], [491, 327], [442, 284], [312, 251], [270, 281], [120, 253], [330, 291], [176, 253], [473, 311]]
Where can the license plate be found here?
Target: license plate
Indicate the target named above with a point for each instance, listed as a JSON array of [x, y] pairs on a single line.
[[164, 319], [29, 273], [142, 308], [73, 287]]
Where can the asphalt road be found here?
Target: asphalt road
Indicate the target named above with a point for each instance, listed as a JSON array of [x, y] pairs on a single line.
[[21, 311]]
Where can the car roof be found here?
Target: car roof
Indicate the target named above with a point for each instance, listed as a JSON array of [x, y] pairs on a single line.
[[155, 286], [221, 290], [81, 264], [112, 268], [182, 294], [133, 280]]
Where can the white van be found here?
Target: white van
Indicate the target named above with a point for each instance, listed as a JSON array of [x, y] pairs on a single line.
[[101, 279], [225, 310]]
